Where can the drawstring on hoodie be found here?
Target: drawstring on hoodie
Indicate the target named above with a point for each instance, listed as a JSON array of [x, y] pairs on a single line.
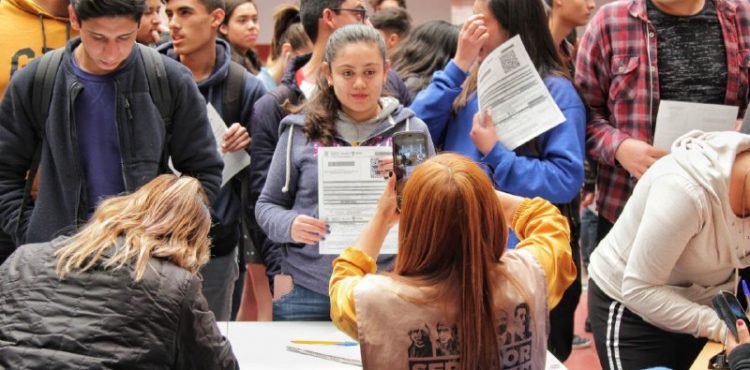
[[288, 179], [285, 189], [44, 33]]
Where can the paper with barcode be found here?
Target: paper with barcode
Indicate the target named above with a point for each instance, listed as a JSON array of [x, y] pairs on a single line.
[[511, 89], [349, 187], [233, 162]]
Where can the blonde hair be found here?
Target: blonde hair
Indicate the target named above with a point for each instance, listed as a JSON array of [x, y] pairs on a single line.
[[166, 218]]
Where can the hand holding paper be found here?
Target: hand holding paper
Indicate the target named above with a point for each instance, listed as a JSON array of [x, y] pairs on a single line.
[[636, 156], [236, 138], [483, 132], [308, 230]]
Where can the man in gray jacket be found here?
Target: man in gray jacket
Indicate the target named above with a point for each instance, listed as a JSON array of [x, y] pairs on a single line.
[[103, 134]]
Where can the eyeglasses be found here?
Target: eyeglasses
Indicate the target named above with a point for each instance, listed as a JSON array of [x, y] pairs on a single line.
[[359, 12]]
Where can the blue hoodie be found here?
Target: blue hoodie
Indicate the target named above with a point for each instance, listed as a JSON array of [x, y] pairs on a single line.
[[226, 211], [291, 189], [553, 170]]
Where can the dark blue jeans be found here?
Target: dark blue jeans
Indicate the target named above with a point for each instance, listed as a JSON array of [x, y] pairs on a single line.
[[302, 304]]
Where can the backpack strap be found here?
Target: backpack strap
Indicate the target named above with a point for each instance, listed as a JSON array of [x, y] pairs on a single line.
[[43, 84], [161, 95], [41, 97], [233, 91]]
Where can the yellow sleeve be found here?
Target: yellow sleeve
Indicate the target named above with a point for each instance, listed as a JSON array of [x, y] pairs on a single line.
[[348, 269], [545, 233]]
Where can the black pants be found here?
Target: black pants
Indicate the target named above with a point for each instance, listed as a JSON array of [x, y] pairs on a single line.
[[624, 341], [561, 318]]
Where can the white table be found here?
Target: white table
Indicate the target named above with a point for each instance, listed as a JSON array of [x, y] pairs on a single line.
[[262, 345]]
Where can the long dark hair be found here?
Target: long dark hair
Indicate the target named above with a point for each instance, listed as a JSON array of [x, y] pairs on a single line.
[[287, 27], [427, 48], [528, 19], [249, 60], [323, 107]]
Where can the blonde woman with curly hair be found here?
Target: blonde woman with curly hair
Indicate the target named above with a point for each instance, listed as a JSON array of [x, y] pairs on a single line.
[[121, 293]]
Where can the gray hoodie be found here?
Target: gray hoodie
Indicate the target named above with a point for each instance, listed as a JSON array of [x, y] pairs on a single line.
[[678, 242], [291, 189]]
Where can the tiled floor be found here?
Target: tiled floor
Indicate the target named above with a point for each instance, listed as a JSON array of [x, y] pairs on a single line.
[[585, 358]]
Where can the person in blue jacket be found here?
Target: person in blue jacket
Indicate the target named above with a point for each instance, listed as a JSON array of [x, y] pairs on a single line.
[[549, 166]]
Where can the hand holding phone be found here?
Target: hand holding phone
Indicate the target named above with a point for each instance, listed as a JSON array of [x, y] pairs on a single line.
[[729, 310], [409, 150]]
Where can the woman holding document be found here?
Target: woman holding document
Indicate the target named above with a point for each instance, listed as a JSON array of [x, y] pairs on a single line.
[[549, 166], [679, 240], [346, 111], [493, 313]]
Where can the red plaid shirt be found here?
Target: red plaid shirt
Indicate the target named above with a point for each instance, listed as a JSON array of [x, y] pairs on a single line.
[[618, 75]]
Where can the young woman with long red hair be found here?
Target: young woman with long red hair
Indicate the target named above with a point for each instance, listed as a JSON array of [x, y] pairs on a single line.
[[453, 280]]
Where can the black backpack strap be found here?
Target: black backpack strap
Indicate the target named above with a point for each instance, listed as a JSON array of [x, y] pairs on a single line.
[[43, 84], [233, 91], [41, 98], [161, 95]]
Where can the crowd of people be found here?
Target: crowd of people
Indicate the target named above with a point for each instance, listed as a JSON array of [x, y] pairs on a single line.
[[113, 199]]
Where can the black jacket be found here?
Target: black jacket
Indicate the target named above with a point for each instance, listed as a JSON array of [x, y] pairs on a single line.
[[101, 319], [61, 200]]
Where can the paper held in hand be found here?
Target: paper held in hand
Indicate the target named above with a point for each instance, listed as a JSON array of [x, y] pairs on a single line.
[[233, 162], [349, 187], [509, 87], [677, 118]]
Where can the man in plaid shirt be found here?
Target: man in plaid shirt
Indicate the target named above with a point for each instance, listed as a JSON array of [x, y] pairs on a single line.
[[636, 53]]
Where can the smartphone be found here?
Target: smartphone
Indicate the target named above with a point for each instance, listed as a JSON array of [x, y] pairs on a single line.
[[409, 150], [729, 309]]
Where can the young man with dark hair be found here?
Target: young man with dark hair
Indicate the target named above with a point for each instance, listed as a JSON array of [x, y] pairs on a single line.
[[194, 25], [393, 24], [100, 133], [319, 19]]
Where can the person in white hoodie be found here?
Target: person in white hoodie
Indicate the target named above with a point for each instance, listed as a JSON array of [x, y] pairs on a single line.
[[680, 240]]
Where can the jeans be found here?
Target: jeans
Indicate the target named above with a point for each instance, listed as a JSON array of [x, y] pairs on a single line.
[[302, 304], [219, 275], [589, 222]]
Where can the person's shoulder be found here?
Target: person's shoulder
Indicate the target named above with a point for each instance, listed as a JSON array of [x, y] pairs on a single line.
[[563, 91], [175, 69]]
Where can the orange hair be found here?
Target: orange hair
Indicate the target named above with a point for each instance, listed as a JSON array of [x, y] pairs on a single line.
[[452, 233]]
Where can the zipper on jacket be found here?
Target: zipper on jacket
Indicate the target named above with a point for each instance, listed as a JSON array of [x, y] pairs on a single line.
[[129, 113], [127, 106], [75, 89]]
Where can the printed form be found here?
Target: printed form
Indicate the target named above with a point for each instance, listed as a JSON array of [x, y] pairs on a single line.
[[510, 88], [233, 162], [677, 118], [349, 187]]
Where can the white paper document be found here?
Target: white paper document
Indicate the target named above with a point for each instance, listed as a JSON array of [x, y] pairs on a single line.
[[677, 118], [233, 162], [510, 88], [349, 187]]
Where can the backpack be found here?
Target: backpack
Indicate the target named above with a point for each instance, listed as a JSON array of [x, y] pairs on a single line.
[[44, 80]]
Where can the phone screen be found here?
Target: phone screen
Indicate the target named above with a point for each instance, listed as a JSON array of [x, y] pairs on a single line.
[[409, 150], [729, 310]]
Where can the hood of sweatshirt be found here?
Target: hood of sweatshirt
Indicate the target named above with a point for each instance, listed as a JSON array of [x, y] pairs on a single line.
[[708, 159], [29, 6], [221, 68], [294, 65], [392, 116]]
